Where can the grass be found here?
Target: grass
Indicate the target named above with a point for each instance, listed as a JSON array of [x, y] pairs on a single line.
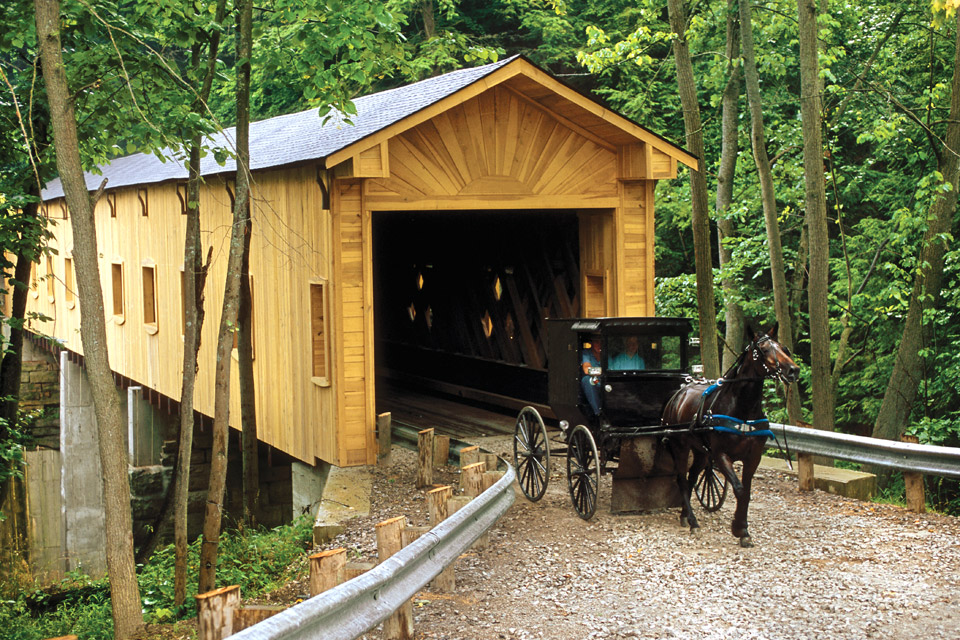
[[257, 560]]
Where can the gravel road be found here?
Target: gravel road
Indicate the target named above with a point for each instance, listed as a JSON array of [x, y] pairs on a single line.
[[823, 567]]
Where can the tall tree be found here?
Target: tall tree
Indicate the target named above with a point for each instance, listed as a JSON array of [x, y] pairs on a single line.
[[898, 400], [815, 203], [228, 315], [729, 150], [124, 590], [758, 140], [194, 278], [703, 255]]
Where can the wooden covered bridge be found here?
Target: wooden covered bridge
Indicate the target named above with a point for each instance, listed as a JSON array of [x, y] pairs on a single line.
[[426, 242]]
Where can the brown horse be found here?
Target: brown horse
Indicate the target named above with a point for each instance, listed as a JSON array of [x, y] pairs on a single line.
[[727, 424]]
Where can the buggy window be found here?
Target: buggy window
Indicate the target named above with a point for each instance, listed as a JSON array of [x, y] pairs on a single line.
[[671, 352]]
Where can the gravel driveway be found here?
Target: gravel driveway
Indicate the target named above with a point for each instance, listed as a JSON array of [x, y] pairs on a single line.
[[823, 567]]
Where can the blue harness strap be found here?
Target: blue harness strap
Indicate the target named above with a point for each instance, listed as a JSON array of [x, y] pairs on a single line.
[[729, 424]]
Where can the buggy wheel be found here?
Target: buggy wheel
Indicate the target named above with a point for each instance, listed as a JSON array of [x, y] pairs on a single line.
[[583, 471], [531, 454], [711, 488]]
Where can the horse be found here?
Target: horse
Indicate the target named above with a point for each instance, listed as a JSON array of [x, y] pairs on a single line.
[[727, 424]]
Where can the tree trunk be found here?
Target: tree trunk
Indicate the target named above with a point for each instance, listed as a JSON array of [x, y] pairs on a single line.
[[700, 221], [194, 279], [729, 149], [758, 140], [428, 13], [907, 369], [228, 317], [124, 591], [248, 400], [816, 216]]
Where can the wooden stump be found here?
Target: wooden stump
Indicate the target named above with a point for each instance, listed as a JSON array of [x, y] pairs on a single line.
[[355, 568], [805, 471], [490, 478], [252, 614], [424, 458], [215, 611], [913, 483], [471, 479], [469, 455], [384, 435], [398, 626], [491, 459], [437, 504], [441, 450], [326, 570], [456, 503]]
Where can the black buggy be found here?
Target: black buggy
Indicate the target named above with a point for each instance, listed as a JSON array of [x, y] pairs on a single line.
[[625, 437]]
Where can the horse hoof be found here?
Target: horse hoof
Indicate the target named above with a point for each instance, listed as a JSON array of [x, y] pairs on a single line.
[[684, 522], [746, 542], [695, 532]]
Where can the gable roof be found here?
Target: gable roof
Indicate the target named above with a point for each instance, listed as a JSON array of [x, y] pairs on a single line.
[[303, 136]]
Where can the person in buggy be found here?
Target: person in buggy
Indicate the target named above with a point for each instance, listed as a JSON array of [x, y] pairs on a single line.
[[590, 370]]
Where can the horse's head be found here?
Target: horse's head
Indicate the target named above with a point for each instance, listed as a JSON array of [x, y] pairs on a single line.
[[768, 355]]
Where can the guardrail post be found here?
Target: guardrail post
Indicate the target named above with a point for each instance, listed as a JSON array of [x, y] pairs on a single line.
[[326, 570], [398, 626], [441, 450], [913, 484], [215, 612], [491, 459], [424, 458], [805, 471], [469, 455], [252, 614], [384, 435], [471, 479], [437, 501]]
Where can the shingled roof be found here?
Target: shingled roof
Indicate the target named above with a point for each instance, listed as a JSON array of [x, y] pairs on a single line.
[[299, 137]]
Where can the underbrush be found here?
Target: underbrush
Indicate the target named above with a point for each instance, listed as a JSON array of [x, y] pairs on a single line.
[[257, 560]]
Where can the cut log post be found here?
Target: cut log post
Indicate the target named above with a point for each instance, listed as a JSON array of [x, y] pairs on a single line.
[[805, 471], [913, 483], [384, 437], [471, 479], [441, 450], [215, 611], [437, 504], [410, 534], [252, 614], [353, 569], [469, 455], [398, 626], [490, 478], [491, 459], [456, 503], [326, 570], [424, 458]]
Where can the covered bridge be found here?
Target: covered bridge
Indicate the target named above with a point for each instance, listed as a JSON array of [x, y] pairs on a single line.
[[427, 241]]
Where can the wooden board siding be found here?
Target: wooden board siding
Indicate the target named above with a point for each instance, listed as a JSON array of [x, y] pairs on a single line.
[[495, 151], [353, 368], [634, 248], [289, 249], [597, 264]]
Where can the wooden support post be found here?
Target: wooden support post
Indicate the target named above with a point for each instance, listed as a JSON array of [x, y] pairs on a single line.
[[326, 570], [424, 458], [490, 478], [913, 483], [469, 455], [252, 614], [398, 626], [215, 611], [441, 450], [456, 503], [384, 435], [437, 504], [410, 534], [805, 471], [353, 569], [491, 459], [471, 479]]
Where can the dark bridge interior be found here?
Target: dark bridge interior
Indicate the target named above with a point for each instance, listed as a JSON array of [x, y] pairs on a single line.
[[460, 299]]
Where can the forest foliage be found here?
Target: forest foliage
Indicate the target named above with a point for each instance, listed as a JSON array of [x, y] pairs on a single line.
[[885, 68]]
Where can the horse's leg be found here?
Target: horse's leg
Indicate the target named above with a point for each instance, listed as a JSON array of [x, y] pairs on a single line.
[[739, 528], [681, 452]]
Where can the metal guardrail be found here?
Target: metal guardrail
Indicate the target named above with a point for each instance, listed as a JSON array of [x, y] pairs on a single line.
[[360, 604], [904, 456]]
